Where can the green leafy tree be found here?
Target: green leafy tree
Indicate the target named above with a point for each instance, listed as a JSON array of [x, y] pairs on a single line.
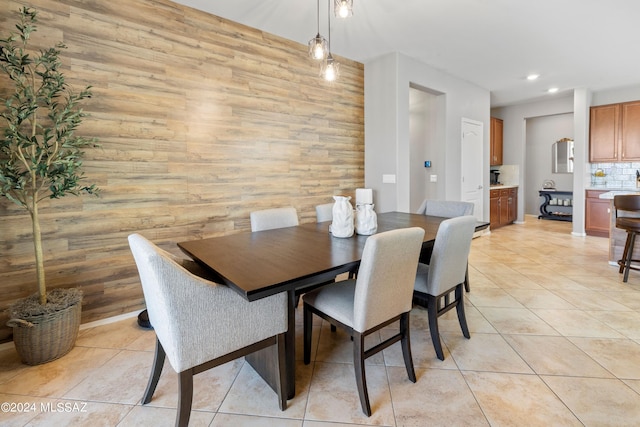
[[40, 154]]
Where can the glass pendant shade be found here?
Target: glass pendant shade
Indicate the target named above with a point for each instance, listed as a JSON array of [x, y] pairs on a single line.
[[330, 69], [343, 8], [318, 48]]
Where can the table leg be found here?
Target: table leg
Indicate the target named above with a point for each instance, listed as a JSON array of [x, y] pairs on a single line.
[[264, 361]]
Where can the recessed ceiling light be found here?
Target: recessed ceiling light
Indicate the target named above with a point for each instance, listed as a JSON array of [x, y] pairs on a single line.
[[553, 90], [532, 77]]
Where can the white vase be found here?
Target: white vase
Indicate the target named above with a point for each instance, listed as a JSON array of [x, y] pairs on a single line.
[[343, 224], [366, 219]]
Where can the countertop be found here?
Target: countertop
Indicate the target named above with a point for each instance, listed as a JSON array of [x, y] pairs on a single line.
[[609, 195], [500, 186]]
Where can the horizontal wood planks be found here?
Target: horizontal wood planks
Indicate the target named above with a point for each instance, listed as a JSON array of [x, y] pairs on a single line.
[[200, 120]]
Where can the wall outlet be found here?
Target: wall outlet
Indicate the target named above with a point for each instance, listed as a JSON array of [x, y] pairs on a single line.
[[388, 179], [433, 178]]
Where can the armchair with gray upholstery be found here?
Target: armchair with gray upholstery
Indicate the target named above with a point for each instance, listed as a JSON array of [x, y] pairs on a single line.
[[445, 275], [200, 324], [379, 296]]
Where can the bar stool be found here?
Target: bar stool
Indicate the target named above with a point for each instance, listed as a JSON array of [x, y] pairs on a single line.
[[629, 203]]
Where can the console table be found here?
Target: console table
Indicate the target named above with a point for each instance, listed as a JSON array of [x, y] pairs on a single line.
[[560, 203]]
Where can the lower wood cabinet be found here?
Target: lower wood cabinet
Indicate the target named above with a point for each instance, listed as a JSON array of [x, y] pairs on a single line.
[[503, 206], [597, 214]]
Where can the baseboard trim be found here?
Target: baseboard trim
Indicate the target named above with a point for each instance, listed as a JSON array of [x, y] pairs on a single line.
[[88, 325]]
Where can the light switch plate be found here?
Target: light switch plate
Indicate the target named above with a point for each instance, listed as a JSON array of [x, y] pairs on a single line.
[[433, 178], [388, 179]]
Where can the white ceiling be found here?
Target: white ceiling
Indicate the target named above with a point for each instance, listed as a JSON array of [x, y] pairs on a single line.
[[495, 44]]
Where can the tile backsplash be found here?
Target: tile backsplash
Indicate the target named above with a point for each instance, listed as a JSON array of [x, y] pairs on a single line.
[[617, 175]]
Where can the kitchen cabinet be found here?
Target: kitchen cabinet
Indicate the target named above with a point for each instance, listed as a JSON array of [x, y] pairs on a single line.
[[503, 206], [614, 134], [496, 132], [597, 214]]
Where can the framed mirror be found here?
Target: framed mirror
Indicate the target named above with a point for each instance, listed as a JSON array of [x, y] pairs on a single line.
[[562, 156]]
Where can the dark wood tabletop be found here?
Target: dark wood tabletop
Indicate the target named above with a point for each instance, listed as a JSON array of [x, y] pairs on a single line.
[[262, 263]]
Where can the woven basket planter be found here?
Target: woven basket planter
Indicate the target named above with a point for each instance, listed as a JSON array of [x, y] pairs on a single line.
[[41, 339]]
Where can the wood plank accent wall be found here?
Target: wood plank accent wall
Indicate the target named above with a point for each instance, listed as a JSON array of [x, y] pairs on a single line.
[[201, 121]]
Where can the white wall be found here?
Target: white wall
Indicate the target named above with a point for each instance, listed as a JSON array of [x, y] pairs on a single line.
[[423, 114], [541, 134], [613, 96], [387, 131]]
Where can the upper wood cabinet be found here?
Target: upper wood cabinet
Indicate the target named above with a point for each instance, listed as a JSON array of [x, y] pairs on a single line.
[[615, 133], [496, 141], [630, 131]]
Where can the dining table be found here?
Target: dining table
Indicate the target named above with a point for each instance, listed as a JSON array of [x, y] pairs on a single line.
[[263, 263]]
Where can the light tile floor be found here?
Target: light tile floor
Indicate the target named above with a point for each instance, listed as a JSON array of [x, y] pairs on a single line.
[[555, 341]]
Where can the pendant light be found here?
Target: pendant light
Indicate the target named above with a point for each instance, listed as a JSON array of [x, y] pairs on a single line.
[[343, 8], [318, 45], [330, 68]]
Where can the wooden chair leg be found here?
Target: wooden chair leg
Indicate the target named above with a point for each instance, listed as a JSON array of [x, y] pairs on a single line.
[[627, 263], [623, 260], [185, 397], [156, 370], [466, 280], [361, 379], [462, 318], [283, 385], [307, 321], [432, 314], [406, 346]]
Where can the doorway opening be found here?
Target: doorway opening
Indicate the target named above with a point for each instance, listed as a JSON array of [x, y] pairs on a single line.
[[426, 114]]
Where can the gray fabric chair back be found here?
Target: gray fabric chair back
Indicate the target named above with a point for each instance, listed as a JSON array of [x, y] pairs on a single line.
[[384, 287], [197, 320], [268, 219], [324, 212], [445, 208], [448, 263]]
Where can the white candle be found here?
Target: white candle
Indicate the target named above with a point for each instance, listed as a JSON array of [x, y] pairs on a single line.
[[364, 196]]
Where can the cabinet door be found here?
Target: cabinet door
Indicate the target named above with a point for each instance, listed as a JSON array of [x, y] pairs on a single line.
[[603, 134], [630, 129], [513, 205], [496, 141], [597, 214], [504, 207], [494, 209]]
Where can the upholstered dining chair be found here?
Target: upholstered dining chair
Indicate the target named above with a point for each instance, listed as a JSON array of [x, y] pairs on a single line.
[[200, 324], [268, 219], [445, 274], [447, 209], [324, 212], [628, 203], [379, 296]]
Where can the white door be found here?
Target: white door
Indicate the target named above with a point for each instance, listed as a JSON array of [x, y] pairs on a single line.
[[472, 165]]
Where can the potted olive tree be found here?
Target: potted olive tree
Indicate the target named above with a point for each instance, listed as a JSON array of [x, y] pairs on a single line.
[[40, 158]]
